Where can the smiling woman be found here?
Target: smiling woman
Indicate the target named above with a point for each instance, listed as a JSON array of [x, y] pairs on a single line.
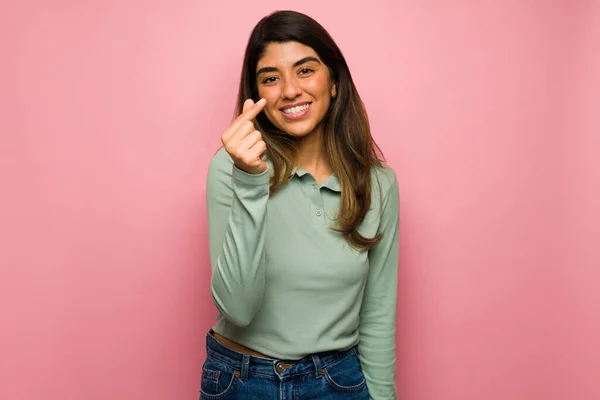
[[304, 230], [298, 91]]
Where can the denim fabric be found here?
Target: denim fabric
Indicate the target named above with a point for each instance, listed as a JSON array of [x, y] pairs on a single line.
[[227, 374]]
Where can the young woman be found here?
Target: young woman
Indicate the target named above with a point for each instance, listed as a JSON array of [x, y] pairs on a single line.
[[304, 228]]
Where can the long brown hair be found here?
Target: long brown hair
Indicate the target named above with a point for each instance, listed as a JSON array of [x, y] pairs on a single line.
[[349, 146]]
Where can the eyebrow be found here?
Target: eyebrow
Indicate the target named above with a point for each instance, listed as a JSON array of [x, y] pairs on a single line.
[[297, 63]]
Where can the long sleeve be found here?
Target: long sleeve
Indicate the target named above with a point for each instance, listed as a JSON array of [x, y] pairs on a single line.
[[237, 211], [377, 326]]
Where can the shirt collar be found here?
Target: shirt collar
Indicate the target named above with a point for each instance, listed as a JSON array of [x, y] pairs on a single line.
[[331, 183]]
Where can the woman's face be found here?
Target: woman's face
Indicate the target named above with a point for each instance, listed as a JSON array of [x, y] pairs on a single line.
[[297, 87]]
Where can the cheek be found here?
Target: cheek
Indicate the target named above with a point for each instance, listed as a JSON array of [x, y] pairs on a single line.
[[271, 93], [318, 85], [272, 96], [271, 114]]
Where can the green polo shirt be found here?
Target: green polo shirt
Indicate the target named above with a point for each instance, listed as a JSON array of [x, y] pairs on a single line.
[[286, 285]]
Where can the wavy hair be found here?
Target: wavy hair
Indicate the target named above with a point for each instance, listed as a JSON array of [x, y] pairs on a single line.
[[348, 144]]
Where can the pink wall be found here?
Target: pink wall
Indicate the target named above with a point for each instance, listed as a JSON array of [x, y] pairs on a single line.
[[111, 110]]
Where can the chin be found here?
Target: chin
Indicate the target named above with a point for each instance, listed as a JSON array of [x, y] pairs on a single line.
[[298, 129], [295, 131], [300, 135]]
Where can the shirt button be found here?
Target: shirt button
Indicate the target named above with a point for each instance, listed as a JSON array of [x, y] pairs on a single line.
[[318, 212]]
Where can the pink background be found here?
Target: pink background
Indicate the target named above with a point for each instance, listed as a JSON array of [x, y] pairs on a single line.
[[111, 110]]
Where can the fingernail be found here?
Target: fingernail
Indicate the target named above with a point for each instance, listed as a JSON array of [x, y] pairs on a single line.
[[262, 101]]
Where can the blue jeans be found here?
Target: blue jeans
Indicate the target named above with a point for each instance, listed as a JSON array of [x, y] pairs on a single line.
[[333, 375]]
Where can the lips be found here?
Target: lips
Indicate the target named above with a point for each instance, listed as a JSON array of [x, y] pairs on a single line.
[[294, 105], [298, 111]]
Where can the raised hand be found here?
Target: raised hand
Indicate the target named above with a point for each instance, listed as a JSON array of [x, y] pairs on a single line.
[[244, 143]]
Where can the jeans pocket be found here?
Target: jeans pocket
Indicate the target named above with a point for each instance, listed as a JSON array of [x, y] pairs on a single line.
[[218, 380], [345, 375]]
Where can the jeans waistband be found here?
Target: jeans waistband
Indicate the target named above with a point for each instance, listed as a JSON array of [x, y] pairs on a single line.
[[245, 363]]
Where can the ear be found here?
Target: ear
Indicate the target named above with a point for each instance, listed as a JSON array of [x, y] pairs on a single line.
[[333, 91]]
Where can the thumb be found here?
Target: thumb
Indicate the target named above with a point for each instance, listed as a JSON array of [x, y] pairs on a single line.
[[247, 104]]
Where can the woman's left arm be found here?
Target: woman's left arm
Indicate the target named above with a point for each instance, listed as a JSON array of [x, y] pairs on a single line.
[[377, 326]]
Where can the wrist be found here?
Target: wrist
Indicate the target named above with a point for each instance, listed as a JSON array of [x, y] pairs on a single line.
[[252, 170]]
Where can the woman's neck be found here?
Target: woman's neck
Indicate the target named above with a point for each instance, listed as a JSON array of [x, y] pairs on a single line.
[[312, 158]]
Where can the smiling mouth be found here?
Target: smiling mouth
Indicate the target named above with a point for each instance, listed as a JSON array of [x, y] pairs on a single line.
[[295, 111]]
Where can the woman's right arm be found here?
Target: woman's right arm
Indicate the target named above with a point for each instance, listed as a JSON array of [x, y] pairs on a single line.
[[237, 193], [237, 211]]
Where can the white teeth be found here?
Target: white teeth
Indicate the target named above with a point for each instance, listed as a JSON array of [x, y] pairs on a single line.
[[296, 110]]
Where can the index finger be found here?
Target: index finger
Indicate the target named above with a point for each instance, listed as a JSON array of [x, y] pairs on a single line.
[[251, 112]]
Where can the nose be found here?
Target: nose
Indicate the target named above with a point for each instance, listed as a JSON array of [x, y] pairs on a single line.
[[291, 88]]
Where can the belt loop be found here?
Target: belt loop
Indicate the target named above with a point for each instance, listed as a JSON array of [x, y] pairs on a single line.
[[245, 365], [318, 368]]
